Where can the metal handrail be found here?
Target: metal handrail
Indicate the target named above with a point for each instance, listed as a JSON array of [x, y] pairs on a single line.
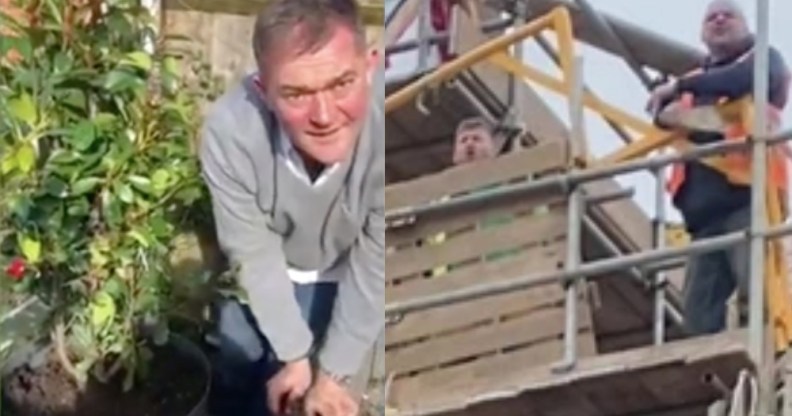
[[567, 181], [588, 270]]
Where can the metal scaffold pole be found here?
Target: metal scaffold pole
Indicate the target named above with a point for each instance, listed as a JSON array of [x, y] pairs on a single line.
[[758, 208], [757, 302], [660, 275], [576, 211], [424, 30]]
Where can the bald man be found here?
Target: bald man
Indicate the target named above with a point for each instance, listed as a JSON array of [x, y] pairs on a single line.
[[711, 202]]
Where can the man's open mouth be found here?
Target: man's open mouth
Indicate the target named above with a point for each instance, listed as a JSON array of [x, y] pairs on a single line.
[[324, 137]]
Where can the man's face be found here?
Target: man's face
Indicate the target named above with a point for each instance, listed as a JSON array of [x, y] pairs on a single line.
[[321, 96], [724, 26], [472, 145]]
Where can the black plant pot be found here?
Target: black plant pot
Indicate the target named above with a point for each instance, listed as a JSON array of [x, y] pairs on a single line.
[[34, 356], [193, 351]]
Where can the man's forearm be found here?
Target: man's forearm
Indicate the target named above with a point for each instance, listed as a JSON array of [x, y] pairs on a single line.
[[272, 302], [733, 81], [358, 317]]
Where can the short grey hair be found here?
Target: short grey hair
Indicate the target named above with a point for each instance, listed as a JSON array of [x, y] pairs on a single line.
[[315, 17], [475, 123]]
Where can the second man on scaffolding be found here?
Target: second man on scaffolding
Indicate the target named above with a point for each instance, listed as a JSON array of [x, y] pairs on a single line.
[[714, 194]]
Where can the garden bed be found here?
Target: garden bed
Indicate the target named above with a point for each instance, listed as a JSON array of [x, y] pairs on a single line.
[[176, 385]]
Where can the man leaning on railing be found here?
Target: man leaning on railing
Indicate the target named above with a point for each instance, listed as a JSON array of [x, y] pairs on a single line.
[[714, 194]]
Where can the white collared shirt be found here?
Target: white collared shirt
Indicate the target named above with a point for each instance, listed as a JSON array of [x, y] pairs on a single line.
[[296, 164]]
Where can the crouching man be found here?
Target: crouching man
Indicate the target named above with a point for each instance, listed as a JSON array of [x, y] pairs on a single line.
[[294, 160]]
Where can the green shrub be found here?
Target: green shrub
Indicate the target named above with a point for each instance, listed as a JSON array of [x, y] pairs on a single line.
[[97, 177]]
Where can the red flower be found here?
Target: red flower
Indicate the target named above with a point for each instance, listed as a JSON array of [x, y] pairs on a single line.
[[16, 269]]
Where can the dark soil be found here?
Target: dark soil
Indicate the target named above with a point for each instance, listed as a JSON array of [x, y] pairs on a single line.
[[175, 386]]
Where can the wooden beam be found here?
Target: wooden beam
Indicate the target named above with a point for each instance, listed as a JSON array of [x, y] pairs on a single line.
[[373, 12], [670, 374]]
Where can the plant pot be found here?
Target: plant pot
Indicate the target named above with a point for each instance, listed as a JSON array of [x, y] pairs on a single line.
[[37, 361]]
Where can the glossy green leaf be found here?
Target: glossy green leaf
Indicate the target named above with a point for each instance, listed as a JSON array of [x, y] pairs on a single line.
[[114, 287], [189, 195], [159, 226], [85, 185], [170, 66], [76, 100], [26, 158], [23, 108], [21, 206], [113, 213], [8, 163], [31, 249], [56, 187], [78, 207], [27, 78], [140, 238], [141, 183], [83, 135], [64, 157], [139, 59], [98, 258], [55, 220], [61, 63], [125, 193], [159, 181], [104, 121], [103, 310], [120, 80], [170, 77]]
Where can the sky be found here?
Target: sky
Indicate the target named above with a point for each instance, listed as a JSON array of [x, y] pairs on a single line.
[[611, 79]]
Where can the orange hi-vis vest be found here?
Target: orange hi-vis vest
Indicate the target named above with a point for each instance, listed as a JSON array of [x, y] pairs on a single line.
[[736, 165]]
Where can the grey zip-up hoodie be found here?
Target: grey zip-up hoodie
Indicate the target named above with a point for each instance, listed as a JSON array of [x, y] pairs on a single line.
[[269, 220]]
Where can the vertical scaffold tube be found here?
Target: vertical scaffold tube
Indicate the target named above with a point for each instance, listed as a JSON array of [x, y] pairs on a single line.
[[758, 185], [756, 327], [660, 275], [576, 210]]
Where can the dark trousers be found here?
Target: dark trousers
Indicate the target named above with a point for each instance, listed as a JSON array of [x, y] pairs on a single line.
[[712, 278], [243, 360]]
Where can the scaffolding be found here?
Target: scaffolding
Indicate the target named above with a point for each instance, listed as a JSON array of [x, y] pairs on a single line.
[[767, 266]]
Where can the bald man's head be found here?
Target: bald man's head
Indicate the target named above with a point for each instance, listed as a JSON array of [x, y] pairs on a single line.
[[725, 5], [724, 28]]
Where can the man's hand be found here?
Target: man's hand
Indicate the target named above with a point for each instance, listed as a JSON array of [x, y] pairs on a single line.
[[329, 398], [660, 94], [288, 386]]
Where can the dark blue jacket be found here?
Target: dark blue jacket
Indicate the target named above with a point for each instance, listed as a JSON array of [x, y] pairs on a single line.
[[706, 195]]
